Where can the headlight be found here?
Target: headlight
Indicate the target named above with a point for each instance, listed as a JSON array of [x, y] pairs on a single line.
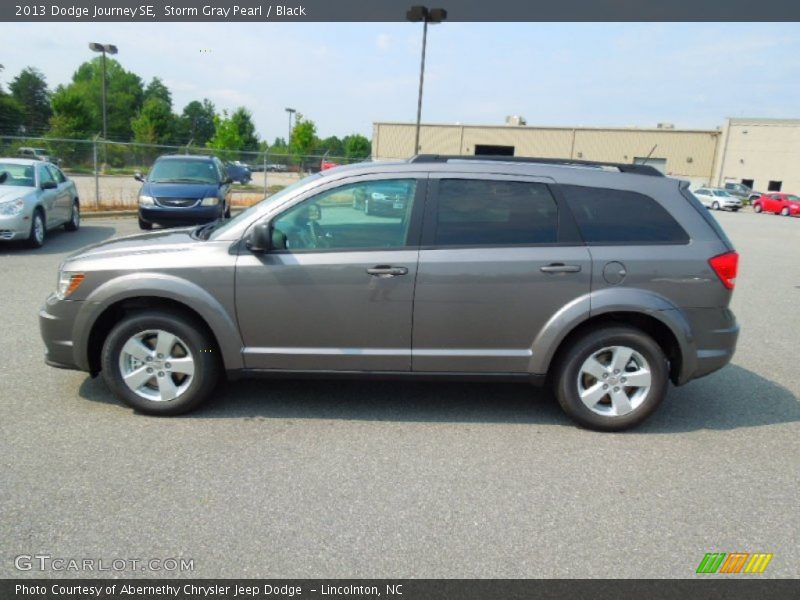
[[12, 207], [147, 200], [68, 282], [209, 202]]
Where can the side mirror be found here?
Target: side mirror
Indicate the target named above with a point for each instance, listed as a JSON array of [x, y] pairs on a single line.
[[49, 185], [138, 176], [227, 181], [259, 238]]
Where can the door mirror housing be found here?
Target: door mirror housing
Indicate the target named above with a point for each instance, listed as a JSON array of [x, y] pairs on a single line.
[[49, 185], [259, 239], [227, 181], [138, 176]]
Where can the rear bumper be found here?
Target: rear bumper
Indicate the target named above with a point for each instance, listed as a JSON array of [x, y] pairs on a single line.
[[715, 335]]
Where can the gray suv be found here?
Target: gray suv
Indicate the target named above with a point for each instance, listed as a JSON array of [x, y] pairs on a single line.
[[603, 281]]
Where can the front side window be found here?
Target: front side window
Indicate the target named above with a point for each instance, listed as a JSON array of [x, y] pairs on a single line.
[[608, 216], [45, 176], [369, 214], [56, 173], [496, 213]]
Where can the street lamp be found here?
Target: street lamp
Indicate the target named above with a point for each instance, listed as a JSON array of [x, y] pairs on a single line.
[[426, 15], [104, 49], [291, 111]]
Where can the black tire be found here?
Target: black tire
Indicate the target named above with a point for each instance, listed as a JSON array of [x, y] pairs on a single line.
[[566, 383], [227, 212], [38, 230], [74, 222], [734, 210], [191, 334], [785, 211], [715, 205], [145, 225], [758, 208]]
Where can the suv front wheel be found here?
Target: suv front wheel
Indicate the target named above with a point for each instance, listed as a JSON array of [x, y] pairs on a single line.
[[160, 363], [612, 378]]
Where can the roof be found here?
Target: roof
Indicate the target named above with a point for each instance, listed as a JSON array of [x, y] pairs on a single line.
[[185, 156], [504, 127], [22, 161]]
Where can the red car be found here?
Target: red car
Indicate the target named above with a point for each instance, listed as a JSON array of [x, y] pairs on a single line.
[[326, 164], [779, 203]]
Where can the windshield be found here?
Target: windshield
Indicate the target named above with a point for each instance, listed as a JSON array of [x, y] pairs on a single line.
[[793, 198], [221, 226], [721, 193], [176, 170], [18, 175]]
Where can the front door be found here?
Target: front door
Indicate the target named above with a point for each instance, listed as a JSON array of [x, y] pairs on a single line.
[[500, 257], [336, 292]]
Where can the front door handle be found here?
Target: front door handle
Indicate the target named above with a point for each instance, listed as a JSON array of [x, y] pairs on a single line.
[[387, 271], [560, 268]]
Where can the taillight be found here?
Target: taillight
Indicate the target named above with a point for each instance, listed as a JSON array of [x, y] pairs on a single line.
[[725, 266]]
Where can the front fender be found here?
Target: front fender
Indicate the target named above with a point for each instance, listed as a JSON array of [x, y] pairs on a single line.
[[158, 285], [607, 301]]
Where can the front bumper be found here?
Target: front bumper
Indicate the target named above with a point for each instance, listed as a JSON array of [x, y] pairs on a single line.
[[17, 227], [194, 215], [56, 319]]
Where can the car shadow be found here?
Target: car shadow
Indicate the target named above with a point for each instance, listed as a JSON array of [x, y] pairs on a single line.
[[59, 241], [733, 398]]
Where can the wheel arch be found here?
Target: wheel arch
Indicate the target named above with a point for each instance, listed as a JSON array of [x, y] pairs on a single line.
[[105, 307]]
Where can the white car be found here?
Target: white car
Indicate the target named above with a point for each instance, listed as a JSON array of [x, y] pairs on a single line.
[[717, 199]]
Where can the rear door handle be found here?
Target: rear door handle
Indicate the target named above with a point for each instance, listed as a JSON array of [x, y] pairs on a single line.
[[560, 268], [387, 271]]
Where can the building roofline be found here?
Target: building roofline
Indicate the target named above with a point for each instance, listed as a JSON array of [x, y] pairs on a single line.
[[554, 128]]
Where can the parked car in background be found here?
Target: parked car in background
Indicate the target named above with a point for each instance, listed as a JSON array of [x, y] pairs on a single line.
[[277, 168], [326, 164], [239, 172], [387, 199], [35, 197], [779, 203], [605, 281], [41, 154], [718, 199], [184, 190], [741, 191]]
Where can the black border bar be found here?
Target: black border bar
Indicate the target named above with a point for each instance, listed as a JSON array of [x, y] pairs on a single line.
[[395, 10], [705, 587]]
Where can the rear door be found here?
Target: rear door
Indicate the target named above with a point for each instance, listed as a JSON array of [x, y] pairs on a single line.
[[499, 258], [63, 202], [337, 292]]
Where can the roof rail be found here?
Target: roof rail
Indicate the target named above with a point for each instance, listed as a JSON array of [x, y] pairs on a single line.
[[621, 167]]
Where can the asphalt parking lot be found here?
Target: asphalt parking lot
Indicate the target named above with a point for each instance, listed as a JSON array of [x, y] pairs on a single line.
[[352, 479]]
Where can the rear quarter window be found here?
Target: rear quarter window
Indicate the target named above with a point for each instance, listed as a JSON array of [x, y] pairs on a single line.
[[609, 216]]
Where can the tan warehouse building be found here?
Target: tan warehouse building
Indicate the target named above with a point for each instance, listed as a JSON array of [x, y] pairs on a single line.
[[760, 152]]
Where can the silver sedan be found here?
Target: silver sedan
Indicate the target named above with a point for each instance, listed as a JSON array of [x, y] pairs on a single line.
[[35, 197]]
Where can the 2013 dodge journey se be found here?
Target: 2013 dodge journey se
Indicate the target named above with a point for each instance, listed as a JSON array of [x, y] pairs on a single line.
[[604, 281]]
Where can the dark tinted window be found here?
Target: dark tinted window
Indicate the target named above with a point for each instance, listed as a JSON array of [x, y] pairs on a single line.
[[607, 216], [498, 213]]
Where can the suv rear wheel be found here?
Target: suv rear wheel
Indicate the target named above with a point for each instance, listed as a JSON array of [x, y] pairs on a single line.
[[612, 378], [160, 362]]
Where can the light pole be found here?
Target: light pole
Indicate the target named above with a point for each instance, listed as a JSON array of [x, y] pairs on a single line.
[[432, 16], [291, 111], [104, 49]]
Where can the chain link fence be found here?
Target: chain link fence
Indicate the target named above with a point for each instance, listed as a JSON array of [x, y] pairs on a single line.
[[104, 171]]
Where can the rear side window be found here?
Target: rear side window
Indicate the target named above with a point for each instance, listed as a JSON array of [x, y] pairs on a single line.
[[608, 216], [495, 213]]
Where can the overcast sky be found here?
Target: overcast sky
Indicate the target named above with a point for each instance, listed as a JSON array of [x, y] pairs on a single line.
[[345, 76]]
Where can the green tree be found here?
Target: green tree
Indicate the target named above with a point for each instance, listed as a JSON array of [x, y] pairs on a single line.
[[157, 89], [196, 123], [125, 96], [29, 89], [333, 146], [154, 123], [243, 120], [227, 141], [304, 138], [72, 118], [357, 147], [12, 115]]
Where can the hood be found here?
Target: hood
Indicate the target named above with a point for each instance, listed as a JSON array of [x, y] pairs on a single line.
[[139, 246], [12, 192], [180, 190]]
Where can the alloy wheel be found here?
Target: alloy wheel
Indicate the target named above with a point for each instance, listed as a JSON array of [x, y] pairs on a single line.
[[156, 365], [614, 381]]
